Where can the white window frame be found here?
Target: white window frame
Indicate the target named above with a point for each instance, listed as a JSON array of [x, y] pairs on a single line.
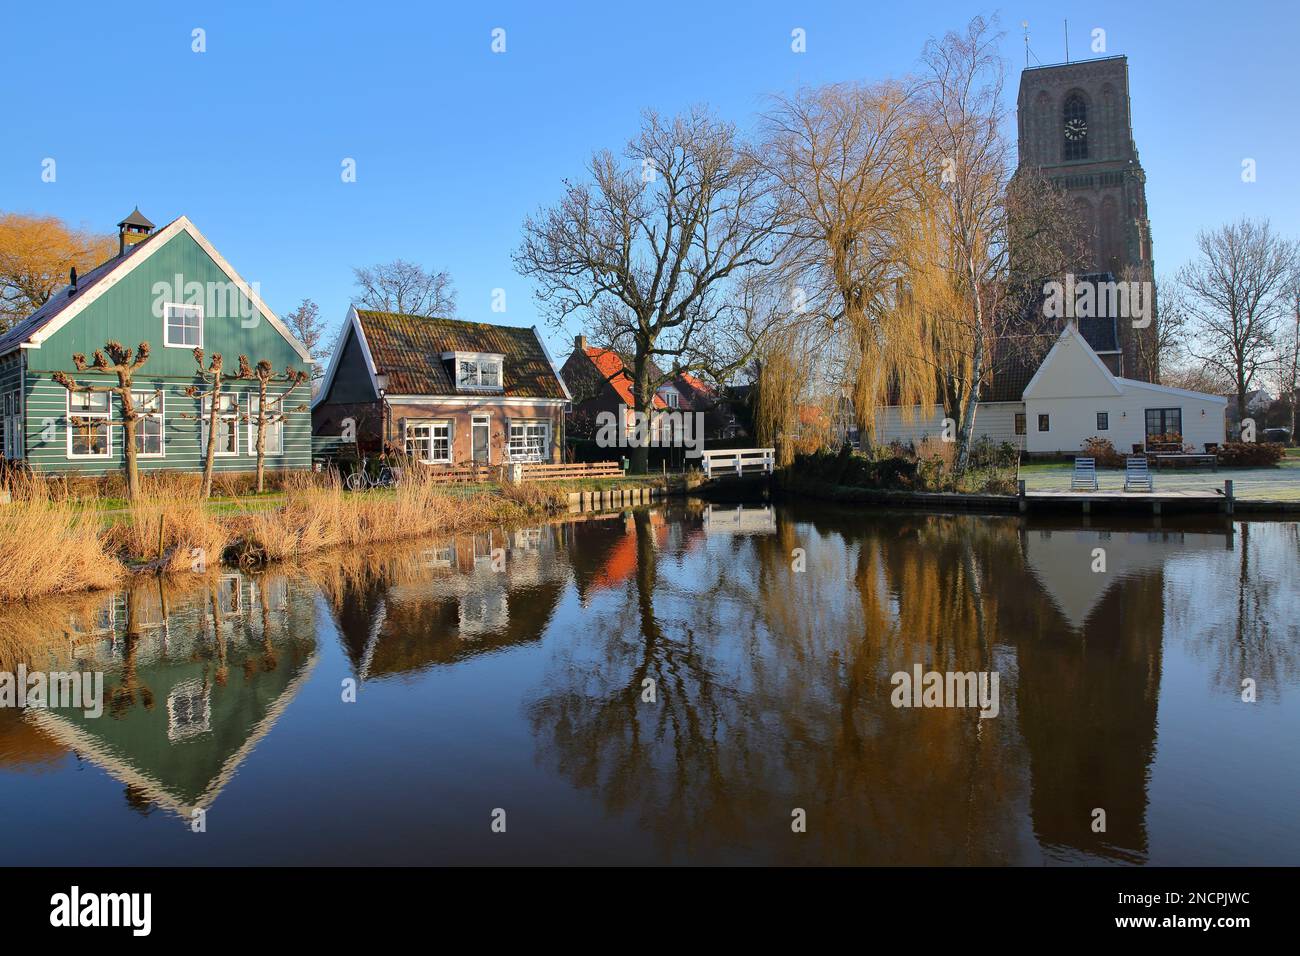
[[198, 719], [160, 415], [166, 316], [671, 397], [232, 417], [107, 415], [432, 426], [481, 361], [275, 429], [526, 423]]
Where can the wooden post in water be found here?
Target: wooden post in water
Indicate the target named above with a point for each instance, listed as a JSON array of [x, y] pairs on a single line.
[[1227, 495], [1020, 493]]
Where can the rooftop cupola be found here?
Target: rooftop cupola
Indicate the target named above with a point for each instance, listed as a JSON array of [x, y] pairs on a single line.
[[134, 228]]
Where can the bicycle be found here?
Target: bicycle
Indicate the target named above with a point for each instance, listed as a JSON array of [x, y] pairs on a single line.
[[362, 480]]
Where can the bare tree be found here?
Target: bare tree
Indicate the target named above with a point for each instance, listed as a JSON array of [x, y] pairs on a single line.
[[973, 217], [404, 287], [1289, 359], [840, 158], [1165, 348], [1236, 293], [213, 375], [269, 412], [123, 363], [305, 323], [649, 250]]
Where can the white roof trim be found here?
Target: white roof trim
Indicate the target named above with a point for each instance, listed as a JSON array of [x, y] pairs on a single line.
[[1170, 390], [351, 321], [568, 396], [130, 263], [1072, 329]]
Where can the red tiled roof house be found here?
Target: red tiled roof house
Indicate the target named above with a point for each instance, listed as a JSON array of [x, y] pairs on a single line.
[[457, 393], [600, 380]]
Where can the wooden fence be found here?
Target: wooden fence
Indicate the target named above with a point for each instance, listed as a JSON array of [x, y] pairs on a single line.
[[532, 471], [594, 469]]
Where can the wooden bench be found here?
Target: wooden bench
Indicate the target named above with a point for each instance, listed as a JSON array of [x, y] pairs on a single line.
[[1183, 458]]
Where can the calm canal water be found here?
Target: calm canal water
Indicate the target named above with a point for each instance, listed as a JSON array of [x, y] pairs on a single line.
[[508, 671]]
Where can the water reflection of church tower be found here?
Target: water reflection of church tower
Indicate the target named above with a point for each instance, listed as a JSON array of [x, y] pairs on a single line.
[[1090, 659]]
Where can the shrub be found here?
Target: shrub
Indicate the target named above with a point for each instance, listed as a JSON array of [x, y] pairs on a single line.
[[1242, 454], [1104, 451]]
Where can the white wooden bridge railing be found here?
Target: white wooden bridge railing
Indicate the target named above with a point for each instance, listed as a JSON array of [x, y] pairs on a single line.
[[738, 461]]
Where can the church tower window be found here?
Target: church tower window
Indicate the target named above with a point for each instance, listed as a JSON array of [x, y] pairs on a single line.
[[1076, 127]]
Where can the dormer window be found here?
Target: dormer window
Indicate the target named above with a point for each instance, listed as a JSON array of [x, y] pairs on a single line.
[[477, 370]]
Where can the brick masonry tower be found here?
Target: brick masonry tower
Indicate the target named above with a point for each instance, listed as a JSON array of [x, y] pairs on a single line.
[[1074, 126]]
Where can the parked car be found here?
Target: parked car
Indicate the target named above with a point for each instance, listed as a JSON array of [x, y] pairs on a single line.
[[1280, 435]]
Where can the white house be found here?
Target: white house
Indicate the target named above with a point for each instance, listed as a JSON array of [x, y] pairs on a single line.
[[1071, 397]]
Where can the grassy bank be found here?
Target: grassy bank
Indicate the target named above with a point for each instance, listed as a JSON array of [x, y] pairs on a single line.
[[50, 543]]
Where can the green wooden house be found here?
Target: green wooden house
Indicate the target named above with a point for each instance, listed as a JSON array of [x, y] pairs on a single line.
[[168, 287]]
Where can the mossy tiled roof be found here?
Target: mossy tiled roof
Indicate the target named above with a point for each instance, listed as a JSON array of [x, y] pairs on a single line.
[[409, 349]]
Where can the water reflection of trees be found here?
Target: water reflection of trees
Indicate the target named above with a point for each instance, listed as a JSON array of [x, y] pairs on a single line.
[[773, 694], [1243, 610], [773, 689]]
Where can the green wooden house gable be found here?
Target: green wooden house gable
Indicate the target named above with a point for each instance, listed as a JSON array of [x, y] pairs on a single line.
[[128, 309]]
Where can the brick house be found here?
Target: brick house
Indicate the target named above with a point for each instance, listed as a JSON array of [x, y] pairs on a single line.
[[447, 392], [600, 380]]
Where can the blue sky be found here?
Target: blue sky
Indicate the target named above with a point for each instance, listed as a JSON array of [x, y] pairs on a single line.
[[454, 144]]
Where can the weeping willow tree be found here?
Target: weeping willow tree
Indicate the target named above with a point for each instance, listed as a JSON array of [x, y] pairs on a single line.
[[843, 157], [905, 216], [783, 389]]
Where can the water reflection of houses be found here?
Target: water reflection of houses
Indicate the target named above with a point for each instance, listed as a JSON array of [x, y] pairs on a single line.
[[436, 605], [193, 680], [605, 551], [1063, 560]]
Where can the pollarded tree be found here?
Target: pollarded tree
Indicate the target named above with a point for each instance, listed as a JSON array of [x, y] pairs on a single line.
[[123, 363], [268, 412], [213, 376], [648, 250]]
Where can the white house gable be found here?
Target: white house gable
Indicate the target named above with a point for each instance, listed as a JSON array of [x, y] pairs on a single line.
[[1071, 370]]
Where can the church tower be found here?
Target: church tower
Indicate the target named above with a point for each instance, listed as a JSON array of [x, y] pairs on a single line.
[[1074, 127]]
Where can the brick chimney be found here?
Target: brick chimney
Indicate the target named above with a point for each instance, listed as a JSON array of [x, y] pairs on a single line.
[[580, 343]]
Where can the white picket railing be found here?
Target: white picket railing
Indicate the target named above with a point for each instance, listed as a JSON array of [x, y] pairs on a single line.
[[738, 461]]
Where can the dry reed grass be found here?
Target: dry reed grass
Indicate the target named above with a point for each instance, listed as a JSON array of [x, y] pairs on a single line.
[[190, 532], [50, 545], [319, 515]]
